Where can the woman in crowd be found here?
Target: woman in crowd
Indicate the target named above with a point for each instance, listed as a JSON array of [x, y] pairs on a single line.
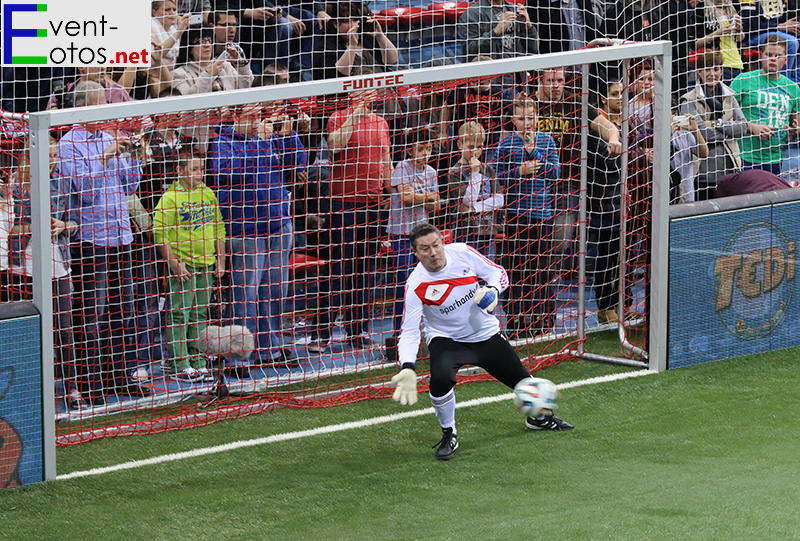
[[21, 264], [199, 72], [166, 29], [720, 120]]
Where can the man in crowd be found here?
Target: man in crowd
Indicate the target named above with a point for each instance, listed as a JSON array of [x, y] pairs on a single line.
[[103, 169], [496, 28], [361, 172], [253, 161]]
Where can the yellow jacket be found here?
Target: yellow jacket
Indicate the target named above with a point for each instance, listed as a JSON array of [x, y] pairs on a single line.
[[190, 222]]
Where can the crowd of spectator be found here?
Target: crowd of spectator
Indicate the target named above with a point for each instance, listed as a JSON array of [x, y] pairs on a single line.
[[495, 161]]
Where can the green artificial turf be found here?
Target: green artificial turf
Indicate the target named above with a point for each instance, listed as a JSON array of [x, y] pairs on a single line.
[[701, 453]]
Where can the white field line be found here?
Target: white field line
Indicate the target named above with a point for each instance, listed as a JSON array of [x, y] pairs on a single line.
[[327, 429]]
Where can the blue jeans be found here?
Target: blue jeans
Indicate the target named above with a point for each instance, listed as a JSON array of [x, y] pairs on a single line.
[[149, 324], [259, 283], [790, 167], [404, 262], [104, 316], [774, 168]]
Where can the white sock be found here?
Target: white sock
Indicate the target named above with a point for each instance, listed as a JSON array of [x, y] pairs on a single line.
[[445, 408]]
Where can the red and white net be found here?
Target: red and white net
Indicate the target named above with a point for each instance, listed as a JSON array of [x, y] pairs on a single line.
[[282, 227]]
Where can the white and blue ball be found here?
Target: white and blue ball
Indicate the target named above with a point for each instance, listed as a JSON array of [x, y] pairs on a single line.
[[535, 396]]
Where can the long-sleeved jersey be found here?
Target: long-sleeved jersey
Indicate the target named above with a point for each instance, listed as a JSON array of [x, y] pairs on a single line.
[[443, 301]]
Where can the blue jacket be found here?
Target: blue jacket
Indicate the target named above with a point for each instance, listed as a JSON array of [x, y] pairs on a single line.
[[529, 195], [250, 176]]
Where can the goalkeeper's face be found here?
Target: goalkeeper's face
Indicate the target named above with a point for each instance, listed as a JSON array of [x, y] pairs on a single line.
[[430, 252]]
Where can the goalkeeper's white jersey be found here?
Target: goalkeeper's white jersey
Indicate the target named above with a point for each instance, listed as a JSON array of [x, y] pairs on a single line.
[[443, 302]]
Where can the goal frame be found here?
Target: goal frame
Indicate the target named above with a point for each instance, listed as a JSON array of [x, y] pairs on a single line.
[[653, 359]]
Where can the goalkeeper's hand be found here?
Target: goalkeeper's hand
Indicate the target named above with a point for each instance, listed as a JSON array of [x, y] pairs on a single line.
[[486, 298], [406, 392]]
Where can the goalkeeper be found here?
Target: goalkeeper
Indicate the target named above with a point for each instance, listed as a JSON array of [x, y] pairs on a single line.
[[444, 294]]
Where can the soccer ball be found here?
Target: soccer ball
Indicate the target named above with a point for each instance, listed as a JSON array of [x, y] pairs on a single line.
[[535, 397]]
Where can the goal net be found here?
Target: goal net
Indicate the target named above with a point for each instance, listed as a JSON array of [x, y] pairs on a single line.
[[224, 254]]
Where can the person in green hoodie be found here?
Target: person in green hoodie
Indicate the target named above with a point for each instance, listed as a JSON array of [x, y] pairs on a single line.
[[190, 233]]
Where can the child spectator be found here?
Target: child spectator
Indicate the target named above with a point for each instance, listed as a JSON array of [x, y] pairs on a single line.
[[604, 208], [190, 232], [474, 192], [527, 163], [415, 193]]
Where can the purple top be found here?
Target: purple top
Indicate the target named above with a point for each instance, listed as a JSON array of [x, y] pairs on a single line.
[[101, 191], [750, 181]]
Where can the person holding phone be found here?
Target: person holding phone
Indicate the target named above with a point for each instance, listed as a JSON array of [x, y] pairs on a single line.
[[166, 29], [199, 72], [103, 169], [354, 39], [497, 28]]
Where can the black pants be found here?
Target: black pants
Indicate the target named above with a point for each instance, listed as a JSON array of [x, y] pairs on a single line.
[[354, 232], [494, 355], [22, 289], [529, 243], [606, 267]]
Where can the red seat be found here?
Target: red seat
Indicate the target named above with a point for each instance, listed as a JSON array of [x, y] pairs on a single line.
[[405, 15], [384, 20], [451, 11], [447, 236], [748, 55], [300, 263], [430, 16], [386, 247], [693, 56]]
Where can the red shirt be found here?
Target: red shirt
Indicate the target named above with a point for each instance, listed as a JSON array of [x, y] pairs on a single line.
[[357, 171]]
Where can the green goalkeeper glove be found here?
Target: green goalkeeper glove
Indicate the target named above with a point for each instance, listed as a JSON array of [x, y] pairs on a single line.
[[406, 392]]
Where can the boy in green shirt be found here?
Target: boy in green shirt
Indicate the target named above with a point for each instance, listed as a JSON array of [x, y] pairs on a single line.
[[190, 233], [770, 103]]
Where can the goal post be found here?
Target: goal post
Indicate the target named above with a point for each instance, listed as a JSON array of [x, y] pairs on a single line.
[[339, 371]]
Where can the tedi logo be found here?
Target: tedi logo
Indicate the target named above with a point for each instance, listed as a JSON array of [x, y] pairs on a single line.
[[76, 33], [755, 278]]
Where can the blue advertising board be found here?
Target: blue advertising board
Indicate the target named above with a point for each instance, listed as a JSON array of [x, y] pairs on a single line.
[[732, 283], [21, 428]]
